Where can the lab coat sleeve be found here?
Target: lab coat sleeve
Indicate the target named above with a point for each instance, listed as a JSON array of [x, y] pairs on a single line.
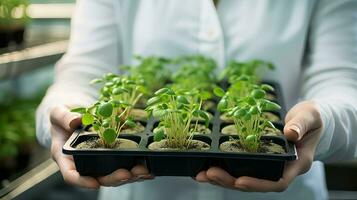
[[94, 49], [330, 77]]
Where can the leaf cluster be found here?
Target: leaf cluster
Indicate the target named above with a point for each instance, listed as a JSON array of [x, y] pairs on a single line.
[[176, 110], [111, 113]]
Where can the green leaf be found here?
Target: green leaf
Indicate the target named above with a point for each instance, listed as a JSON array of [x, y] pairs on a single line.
[[253, 110], [130, 123], [182, 100], [159, 135], [96, 127], [247, 116], [142, 89], [251, 138], [204, 95], [105, 109], [266, 87], [95, 81], [222, 105], [271, 106], [153, 100], [218, 91], [240, 113], [79, 110], [258, 94], [106, 123], [119, 90], [202, 114], [109, 135], [159, 113], [251, 101], [162, 91], [87, 119]]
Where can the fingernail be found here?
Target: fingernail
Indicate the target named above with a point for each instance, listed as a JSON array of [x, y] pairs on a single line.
[[296, 129], [124, 180]]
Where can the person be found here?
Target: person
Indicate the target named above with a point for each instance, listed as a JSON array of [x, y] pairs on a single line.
[[313, 44]]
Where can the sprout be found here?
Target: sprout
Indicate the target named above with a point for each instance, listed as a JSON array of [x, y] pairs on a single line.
[[111, 113], [247, 115], [176, 110], [236, 69]]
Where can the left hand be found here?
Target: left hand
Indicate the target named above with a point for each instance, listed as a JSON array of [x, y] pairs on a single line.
[[303, 127]]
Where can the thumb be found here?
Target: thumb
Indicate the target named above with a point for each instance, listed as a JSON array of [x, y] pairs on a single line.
[[301, 122], [62, 117]]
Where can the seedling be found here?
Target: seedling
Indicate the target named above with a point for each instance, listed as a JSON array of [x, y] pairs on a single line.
[[247, 116], [176, 110], [195, 72], [236, 69], [153, 70], [241, 88], [111, 113]]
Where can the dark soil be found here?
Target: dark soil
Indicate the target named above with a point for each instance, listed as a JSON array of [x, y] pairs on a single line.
[[137, 129], [265, 147], [139, 114], [95, 143], [271, 116], [231, 130], [194, 145], [201, 129]]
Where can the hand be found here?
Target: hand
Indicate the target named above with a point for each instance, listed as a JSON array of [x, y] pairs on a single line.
[[63, 123], [303, 127]]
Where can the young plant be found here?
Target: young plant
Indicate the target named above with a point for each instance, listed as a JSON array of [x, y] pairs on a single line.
[[177, 110], [242, 87], [247, 115], [111, 113], [236, 69], [195, 72], [153, 70]]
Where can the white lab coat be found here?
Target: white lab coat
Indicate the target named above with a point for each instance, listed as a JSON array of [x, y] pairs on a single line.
[[313, 44]]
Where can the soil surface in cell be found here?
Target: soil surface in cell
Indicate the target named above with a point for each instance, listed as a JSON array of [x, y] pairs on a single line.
[[265, 147], [231, 130], [201, 129], [133, 130], [96, 143], [139, 114], [163, 145]]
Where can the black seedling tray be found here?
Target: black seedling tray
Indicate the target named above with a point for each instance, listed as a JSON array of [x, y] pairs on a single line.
[[98, 162]]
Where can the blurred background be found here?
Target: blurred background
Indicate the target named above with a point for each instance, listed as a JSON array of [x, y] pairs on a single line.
[[33, 36]]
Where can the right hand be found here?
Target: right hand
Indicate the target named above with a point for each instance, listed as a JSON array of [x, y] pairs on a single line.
[[63, 123]]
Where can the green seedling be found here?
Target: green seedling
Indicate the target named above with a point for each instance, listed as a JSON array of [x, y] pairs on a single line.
[[195, 72], [242, 87], [236, 69], [177, 110], [111, 113], [247, 116], [153, 70]]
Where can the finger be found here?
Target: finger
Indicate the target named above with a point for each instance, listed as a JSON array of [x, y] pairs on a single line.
[[220, 176], [300, 124], [202, 177], [260, 185], [61, 116], [71, 175], [66, 164], [118, 177], [141, 172]]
